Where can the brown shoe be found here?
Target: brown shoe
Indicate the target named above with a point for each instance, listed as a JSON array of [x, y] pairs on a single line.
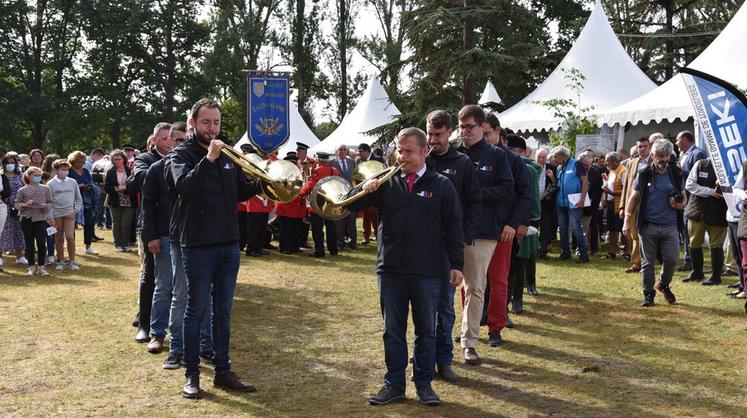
[[471, 357], [632, 269], [155, 346], [446, 372], [230, 381]]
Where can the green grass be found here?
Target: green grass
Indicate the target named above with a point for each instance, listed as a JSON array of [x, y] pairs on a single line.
[[308, 333]]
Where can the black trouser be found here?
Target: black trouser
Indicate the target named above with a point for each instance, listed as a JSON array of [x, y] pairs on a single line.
[[303, 233], [289, 233], [241, 217], [736, 249], [89, 226], [35, 232], [317, 223], [147, 286], [594, 231], [346, 229], [133, 230], [548, 224], [256, 231]]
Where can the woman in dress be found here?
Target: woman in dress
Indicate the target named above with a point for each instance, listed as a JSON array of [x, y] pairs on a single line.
[[12, 235]]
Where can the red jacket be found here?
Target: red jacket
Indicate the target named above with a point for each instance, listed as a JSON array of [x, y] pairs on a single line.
[[321, 171], [259, 205], [242, 207], [296, 208]]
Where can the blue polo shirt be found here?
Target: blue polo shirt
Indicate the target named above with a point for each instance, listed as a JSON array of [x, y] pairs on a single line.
[[656, 209]]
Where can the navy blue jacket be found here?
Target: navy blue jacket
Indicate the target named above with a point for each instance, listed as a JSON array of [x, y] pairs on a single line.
[[207, 194], [496, 188], [458, 168], [415, 226], [523, 200], [154, 204]]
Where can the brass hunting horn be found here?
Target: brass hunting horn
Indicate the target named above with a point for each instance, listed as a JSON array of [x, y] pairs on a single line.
[[281, 180]]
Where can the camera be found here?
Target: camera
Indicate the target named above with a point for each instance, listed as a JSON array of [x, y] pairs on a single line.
[[677, 196]]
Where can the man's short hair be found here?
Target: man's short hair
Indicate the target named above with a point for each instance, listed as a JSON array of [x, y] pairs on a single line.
[[178, 126], [364, 147], [204, 102], [161, 126], [417, 133], [687, 135], [439, 119], [655, 136], [561, 151], [472, 111], [612, 156], [492, 120], [60, 163], [98, 151], [662, 146], [643, 139]]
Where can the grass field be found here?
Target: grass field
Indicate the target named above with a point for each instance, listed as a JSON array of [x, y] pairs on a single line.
[[308, 331]]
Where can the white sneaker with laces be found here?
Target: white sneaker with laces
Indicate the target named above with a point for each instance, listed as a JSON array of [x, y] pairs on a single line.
[[30, 272], [91, 251], [74, 266], [43, 271], [60, 266], [22, 260], [50, 261]]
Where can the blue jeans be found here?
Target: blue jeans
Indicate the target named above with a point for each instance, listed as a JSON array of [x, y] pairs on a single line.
[[179, 305], [214, 267], [159, 314], [396, 293], [445, 319], [573, 216]]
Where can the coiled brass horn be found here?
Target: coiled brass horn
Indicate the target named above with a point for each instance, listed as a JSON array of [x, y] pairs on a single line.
[[281, 180]]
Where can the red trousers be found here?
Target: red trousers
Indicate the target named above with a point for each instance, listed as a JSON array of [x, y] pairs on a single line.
[[498, 279], [370, 222]]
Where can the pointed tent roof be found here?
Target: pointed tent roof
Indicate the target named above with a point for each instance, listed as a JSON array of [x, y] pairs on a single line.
[[374, 109], [612, 78], [299, 132], [489, 95], [725, 57]]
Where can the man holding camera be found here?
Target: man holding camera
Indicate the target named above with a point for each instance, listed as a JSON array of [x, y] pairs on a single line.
[[659, 198]]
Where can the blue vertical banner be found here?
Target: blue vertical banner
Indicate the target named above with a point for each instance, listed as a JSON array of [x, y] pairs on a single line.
[[721, 112], [268, 97]]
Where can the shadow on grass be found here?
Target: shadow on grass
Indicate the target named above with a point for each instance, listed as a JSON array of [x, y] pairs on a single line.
[[629, 351]]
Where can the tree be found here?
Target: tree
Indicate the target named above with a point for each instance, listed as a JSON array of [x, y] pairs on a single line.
[[38, 44], [343, 87], [385, 51]]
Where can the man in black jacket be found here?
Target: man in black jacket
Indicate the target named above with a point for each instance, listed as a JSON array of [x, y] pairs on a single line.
[[208, 186], [458, 168], [420, 215], [494, 236], [161, 145]]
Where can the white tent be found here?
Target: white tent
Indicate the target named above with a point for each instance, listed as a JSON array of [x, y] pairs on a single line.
[[490, 95], [612, 78], [299, 132], [374, 109], [725, 58]]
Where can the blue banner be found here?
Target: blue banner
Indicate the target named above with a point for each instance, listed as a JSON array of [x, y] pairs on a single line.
[[268, 125], [721, 113]]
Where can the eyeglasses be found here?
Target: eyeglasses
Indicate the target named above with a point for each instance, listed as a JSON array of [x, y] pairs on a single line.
[[468, 127]]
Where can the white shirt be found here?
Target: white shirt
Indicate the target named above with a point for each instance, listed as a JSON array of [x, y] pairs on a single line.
[[418, 174], [542, 179]]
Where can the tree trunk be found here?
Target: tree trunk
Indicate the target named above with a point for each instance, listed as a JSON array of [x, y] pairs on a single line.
[[115, 130], [298, 51], [468, 42], [342, 43], [669, 45]]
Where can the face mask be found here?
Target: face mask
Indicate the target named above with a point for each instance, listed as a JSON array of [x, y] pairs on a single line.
[[62, 174], [36, 179], [10, 167]]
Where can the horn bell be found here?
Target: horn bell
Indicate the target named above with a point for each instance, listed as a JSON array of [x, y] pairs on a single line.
[[366, 170], [286, 183], [325, 195]]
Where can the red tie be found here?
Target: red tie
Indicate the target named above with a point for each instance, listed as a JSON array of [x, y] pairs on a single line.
[[411, 181]]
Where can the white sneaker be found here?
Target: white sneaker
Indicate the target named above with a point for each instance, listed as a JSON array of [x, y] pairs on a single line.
[[91, 251], [43, 271], [2, 263], [30, 272], [22, 260], [50, 261], [74, 266], [60, 266], [119, 249]]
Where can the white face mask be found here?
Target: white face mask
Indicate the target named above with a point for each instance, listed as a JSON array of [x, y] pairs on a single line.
[[61, 174]]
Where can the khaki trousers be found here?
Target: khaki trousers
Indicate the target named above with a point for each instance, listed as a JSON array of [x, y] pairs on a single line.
[[697, 230], [65, 232], [476, 261], [635, 252]]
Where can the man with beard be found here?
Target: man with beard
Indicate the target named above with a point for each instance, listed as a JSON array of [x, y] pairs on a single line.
[[458, 168], [208, 185]]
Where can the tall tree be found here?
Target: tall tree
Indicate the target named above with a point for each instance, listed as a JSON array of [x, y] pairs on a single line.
[[340, 54], [384, 50], [38, 44]]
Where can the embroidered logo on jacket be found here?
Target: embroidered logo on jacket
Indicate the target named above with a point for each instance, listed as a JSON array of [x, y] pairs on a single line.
[[424, 194], [449, 171], [486, 168]]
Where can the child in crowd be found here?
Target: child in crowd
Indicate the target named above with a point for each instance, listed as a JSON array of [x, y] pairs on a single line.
[[34, 202], [67, 202]]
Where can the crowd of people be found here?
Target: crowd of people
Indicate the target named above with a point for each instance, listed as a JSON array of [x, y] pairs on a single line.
[[478, 210]]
